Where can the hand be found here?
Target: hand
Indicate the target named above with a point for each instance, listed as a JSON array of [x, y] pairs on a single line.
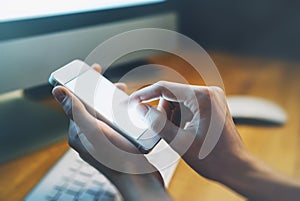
[[194, 103], [228, 162], [94, 140]]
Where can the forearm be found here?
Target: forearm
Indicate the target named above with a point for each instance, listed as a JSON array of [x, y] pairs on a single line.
[[257, 181], [140, 187]]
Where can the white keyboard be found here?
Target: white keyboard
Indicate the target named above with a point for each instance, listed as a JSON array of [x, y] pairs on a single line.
[[72, 179], [75, 180]]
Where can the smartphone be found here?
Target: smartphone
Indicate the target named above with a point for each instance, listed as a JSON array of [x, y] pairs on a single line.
[[106, 101]]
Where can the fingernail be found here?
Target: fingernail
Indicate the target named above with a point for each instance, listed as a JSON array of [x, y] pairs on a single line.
[[59, 95]]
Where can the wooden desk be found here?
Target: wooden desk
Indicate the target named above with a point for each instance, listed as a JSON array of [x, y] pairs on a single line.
[[278, 146]]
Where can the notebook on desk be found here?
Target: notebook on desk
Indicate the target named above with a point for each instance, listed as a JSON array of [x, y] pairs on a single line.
[[73, 179]]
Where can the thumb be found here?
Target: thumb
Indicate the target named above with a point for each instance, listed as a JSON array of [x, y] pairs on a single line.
[[74, 108], [62, 97], [157, 122]]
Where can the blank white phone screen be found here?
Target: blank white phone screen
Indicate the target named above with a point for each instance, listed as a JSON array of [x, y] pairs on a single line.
[[111, 103]]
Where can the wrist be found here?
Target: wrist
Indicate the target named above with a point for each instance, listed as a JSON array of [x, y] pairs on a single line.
[[234, 160], [236, 168], [240, 171], [258, 181], [139, 187]]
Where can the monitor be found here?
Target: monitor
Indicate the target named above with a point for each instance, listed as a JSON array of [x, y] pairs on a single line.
[[39, 36], [20, 10]]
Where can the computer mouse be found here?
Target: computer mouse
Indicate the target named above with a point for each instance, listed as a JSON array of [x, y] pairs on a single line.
[[254, 110]]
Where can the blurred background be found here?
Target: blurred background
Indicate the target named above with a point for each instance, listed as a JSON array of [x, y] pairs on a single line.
[[255, 44], [266, 28]]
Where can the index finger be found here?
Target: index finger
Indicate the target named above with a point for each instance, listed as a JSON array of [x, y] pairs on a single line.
[[169, 91], [97, 68]]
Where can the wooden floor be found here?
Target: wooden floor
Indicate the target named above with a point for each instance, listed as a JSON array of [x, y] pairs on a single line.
[[278, 146]]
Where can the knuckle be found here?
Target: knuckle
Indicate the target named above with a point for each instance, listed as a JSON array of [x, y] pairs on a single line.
[[165, 87], [202, 92], [161, 83], [159, 86], [217, 90]]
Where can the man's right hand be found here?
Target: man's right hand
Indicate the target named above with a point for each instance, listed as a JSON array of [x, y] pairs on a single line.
[[227, 161], [205, 108]]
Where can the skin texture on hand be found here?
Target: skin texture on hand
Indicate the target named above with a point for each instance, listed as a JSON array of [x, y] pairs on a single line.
[[88, 132], [229, 162], [229, 146], [182, 118]]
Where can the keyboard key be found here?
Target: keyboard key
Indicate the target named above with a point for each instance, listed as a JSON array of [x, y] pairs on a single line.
[[86, 197], [71, 192], [98, 183], [78, 183], [59, 188], [91, 192], [86, 174], [54, 197], [81, 178], [66, 197], [52, 194], [107, 196], [74, 187]]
